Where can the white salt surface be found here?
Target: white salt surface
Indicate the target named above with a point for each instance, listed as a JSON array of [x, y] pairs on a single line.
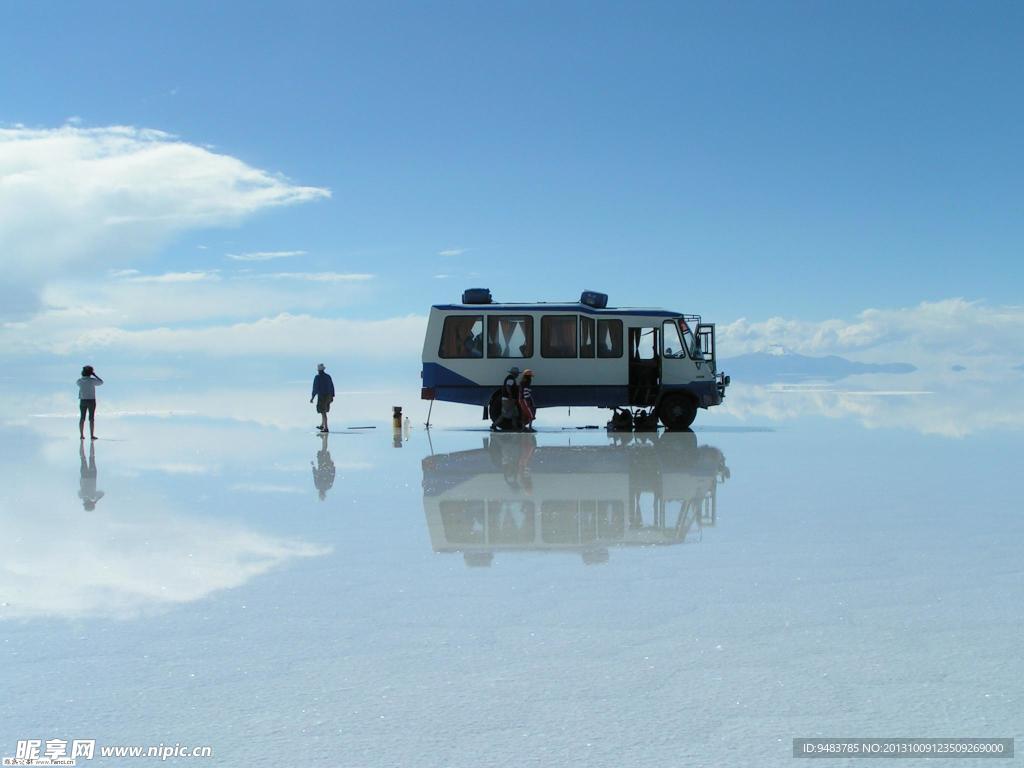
[[685, 600]]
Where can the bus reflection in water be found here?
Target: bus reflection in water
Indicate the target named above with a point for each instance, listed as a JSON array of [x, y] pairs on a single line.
[[512, 495]]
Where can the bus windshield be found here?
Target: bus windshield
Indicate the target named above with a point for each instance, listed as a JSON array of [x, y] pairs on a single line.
[[678, 338], [689, 341]]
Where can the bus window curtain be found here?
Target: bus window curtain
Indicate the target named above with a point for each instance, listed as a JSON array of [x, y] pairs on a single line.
[[586, 337], [508, 327], [567, 337], [634, 343]]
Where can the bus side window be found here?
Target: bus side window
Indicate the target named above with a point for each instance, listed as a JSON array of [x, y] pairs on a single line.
[[609, 338], [587, 344], [509, 336], [558, 336], [643, 343], [670, 339], [462, 336]]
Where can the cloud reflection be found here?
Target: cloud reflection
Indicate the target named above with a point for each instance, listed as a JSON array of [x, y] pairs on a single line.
[[134, 554], [926, 406]]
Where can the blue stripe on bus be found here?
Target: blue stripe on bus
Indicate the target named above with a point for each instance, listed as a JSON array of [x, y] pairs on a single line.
[[435, 375], [545, 396], [554, 396]]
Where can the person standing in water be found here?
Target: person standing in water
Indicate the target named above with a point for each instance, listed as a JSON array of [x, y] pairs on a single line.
[[323, 393], [87, 401]]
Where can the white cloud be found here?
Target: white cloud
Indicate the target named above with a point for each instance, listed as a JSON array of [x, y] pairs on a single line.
[[183, 468], [267, 488], [265, 255], [240, 316], [73, 306], [74, 197], [282, 335], [173, 277], [317, 277], [452, 251], [929, 335]]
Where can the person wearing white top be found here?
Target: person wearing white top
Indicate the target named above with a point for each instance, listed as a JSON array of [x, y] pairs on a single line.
[[87, 401]]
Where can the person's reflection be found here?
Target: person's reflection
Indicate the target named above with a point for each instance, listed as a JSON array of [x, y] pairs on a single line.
[[595, 556], [323, 469], [513, 456], [87, 483]]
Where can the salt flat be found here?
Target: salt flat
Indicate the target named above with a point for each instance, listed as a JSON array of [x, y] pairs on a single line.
[[462, 599]]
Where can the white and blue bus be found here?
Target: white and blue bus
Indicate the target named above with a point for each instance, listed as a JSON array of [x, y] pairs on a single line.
[[582, 354]]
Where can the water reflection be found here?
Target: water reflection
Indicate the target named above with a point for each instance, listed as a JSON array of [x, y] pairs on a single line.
[[155, 544], [323, 469], [511, 494], [87, 478]]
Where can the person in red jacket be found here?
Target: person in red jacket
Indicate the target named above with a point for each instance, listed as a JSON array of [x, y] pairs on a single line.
[[526, 404]]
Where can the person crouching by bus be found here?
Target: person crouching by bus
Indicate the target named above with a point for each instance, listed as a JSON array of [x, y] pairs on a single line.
[[508, 417], [526, 404]]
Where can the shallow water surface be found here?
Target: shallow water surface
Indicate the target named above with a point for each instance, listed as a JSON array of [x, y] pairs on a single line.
[[461, 599]]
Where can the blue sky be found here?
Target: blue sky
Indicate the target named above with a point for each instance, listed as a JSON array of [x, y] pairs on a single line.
[[805, 161]]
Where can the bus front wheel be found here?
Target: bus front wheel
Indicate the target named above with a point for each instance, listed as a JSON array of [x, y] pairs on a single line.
[[677, 411]]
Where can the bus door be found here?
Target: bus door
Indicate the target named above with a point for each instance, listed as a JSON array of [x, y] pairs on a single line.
[[706, 345], [676, 343], [644, 365]]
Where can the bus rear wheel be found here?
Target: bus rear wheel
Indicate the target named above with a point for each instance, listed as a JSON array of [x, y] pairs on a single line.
[[677, 411]]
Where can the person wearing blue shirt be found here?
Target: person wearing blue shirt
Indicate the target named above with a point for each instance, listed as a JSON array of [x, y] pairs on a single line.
[[323, 392]]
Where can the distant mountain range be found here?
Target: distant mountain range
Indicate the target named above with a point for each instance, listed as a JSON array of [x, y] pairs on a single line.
[[765, 367]]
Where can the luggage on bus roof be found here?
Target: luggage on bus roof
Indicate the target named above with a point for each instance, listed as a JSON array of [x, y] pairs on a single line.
[[594, 299], [476, 296]]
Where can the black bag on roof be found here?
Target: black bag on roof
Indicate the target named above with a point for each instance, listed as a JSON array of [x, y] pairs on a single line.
[[476, 296]]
